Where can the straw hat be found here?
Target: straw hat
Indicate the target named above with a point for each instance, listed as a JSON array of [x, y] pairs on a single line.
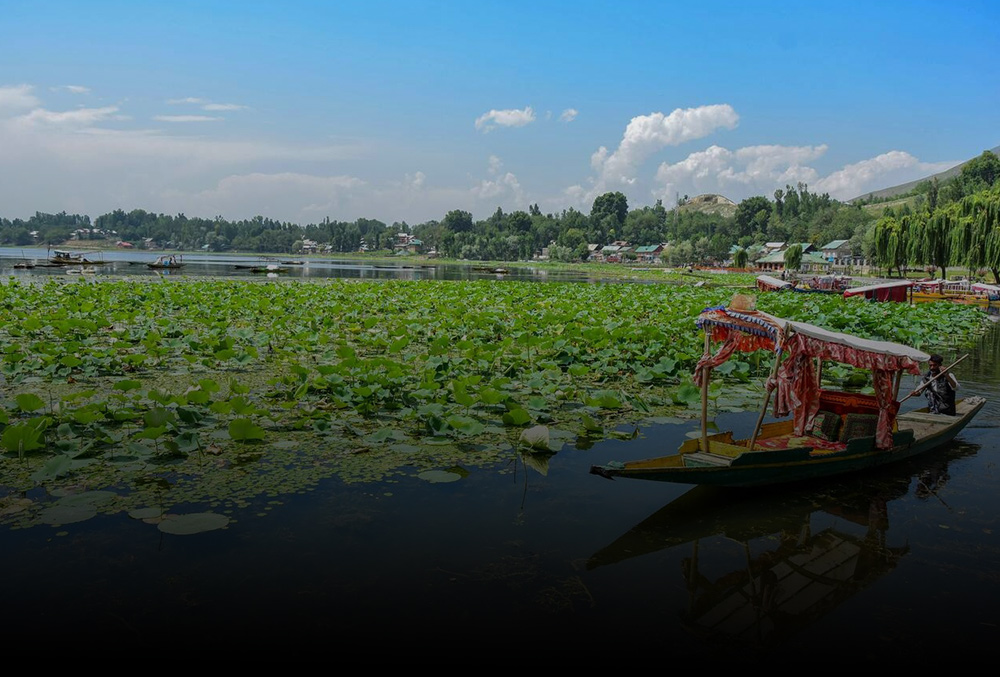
[[743, 302]]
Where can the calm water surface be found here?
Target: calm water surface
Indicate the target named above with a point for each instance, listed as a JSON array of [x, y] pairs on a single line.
[[875, 569]]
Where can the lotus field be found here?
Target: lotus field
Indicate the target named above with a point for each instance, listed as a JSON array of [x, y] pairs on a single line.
[[154, 397]]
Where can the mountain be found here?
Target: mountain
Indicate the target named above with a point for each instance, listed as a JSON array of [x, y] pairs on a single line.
[[904, 188]]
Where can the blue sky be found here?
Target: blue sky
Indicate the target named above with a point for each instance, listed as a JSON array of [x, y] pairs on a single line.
[[402, 111]]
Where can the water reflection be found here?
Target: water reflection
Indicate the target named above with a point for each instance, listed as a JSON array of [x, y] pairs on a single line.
[[763, 566]]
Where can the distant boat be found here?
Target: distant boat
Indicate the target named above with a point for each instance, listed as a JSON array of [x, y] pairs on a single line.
[[294, 263], [169, 262], [269, 269], [61, 257]]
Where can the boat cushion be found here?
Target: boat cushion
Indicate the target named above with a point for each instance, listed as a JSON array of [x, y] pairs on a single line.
[[826, 425], [858, 425]]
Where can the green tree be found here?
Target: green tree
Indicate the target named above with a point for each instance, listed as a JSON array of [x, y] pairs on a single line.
[[614, 205], [748, 217], [458, 221]]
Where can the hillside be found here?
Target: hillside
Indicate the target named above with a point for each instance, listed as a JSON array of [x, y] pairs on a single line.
[[904, 188], [709, 203]]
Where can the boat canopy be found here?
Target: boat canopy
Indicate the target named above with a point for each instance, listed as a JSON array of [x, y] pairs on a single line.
[[986, 288], [887, 291], [768, 283], [797, 346]]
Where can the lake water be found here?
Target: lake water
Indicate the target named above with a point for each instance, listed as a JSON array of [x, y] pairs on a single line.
[[134, 263], [526, 561]]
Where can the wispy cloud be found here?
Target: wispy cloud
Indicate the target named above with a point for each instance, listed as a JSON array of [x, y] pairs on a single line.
[[186, 118], [204, 104], [75, 89], [505, 118], [568, 115], [77, 117]]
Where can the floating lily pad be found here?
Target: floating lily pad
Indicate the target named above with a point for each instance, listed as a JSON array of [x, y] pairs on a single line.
[[145, 513], [439, 476], [88, 498], [68, 514], [195, 523]]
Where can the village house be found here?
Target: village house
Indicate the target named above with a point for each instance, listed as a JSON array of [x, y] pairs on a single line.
[[649, 253], [406, 243]]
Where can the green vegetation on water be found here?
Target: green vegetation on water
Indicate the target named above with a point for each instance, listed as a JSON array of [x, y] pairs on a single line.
[[155, 398]]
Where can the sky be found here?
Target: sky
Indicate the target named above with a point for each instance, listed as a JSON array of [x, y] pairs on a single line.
[[404, 110]]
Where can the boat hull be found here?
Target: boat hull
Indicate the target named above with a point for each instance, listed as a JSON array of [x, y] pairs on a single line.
[[761, 468]]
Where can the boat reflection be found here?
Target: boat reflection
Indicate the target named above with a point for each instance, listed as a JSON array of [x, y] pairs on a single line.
[[764, 565]]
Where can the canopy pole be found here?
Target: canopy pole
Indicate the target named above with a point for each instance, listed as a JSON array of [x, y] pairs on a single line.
[[704, 393], [767, 397]]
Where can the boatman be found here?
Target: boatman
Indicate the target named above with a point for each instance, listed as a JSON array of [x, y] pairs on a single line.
[[940, 392]]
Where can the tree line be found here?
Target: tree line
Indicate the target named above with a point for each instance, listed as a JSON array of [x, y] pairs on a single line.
[[795, 214]]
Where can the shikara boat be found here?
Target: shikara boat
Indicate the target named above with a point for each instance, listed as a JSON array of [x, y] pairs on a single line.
[[818, 432], [984, 296], [898, 291], [826, 286]]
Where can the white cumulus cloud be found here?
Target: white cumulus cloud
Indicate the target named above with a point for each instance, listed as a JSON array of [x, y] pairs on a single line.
[[505, 118], [17, 97], [753, 170], [888, 169]]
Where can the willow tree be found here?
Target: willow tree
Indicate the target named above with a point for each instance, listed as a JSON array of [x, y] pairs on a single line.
[[976, 235], [932, 240], [891, 244], [740, 258], [793, 257]]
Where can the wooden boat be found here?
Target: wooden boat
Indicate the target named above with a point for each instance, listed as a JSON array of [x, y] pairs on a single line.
[[829, 432], [61, 257], [271, 269], [769, 283], [984, 296], [166, 262], [898, 291]]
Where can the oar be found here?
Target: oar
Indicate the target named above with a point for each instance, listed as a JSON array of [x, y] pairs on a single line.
[[923, 386]]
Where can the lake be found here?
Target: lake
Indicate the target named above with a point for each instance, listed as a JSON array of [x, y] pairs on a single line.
[[546, 559], [134, 263]]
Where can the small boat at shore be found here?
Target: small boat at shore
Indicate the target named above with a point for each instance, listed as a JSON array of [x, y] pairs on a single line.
[[819, 432], [166, 262], [271, 269]]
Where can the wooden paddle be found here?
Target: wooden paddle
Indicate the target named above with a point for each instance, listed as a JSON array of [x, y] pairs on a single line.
[[919, 389]]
